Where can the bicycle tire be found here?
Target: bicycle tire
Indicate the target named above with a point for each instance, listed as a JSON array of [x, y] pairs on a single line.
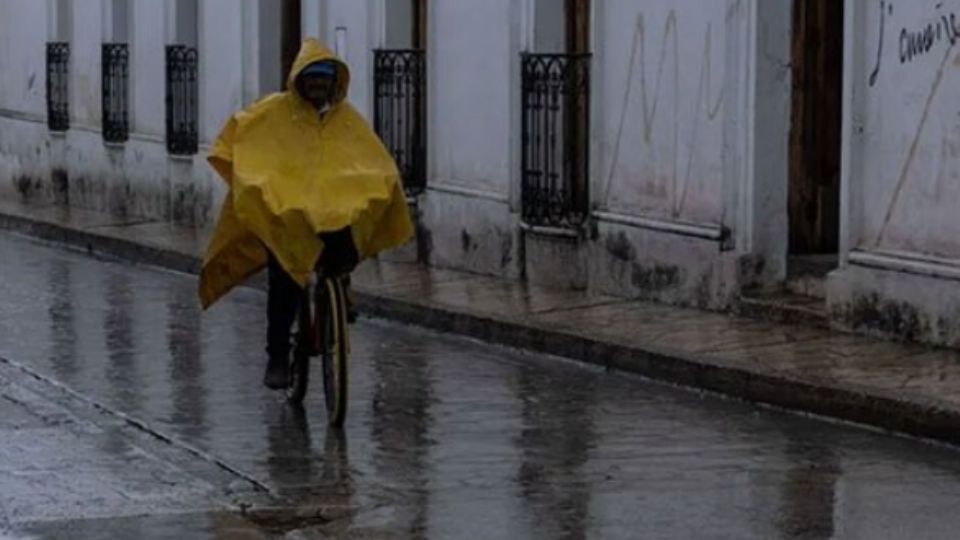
[[300, 359], [336, 352], [299, 378]]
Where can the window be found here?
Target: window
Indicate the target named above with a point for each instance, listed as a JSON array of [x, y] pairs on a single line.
[[115, 71], [58, 66], [291, 36], [116, 118], [815, 128], [58, 86], [400, 92], [182, 132], [182, 81], [63, 21], [118, 22], [555, 108], [187, 15], [269, 32]]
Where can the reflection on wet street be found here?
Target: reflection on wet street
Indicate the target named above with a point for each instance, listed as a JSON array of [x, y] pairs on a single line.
[[449, 438]]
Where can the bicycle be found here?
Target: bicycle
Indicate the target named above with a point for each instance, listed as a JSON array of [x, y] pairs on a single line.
[[323, 330]]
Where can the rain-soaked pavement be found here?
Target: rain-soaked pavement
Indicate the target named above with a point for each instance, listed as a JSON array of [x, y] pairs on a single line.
[[446, 438]]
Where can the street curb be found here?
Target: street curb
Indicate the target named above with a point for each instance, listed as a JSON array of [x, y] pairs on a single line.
[[101, 244], [861, 406], [866, 406]]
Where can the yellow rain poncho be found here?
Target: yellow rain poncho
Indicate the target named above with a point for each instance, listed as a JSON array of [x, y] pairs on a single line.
[[294, 174]]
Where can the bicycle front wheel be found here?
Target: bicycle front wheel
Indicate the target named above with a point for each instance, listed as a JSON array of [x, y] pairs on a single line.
[[336, 351], [299, 377], [305, 347]]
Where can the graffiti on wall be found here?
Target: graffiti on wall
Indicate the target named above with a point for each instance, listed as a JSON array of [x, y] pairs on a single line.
[[941, 30], [709, 100], [916, 41]]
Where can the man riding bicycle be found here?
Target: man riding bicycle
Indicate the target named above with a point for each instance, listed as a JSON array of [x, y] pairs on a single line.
[[310, 184]]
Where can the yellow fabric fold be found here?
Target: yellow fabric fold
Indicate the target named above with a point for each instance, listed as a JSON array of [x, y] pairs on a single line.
[[294, 174]]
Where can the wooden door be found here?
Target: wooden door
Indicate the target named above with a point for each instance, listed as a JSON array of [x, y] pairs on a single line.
[[577, 114], [419, 38], [578, 26], [290, 36], [814, 195]]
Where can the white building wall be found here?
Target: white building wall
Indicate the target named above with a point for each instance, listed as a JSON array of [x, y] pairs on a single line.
[[661, 136], [351, 31], [22, 93], [468, 218], [674, 188], [759, 204], [398, 24], [658, 133], [136, 178], [221, 65], [549, 26], [87, 33], [269, 22], [22, 86], [147, 65], [902, 172], [911, 130], [689, 138], [312, 18], [471, 124]]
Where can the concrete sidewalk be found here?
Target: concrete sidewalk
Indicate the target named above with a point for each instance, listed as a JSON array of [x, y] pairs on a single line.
[[71, 469], [908, 389]]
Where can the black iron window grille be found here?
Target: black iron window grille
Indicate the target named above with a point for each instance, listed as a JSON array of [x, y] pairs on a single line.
[[116, 116], [58, 86], [182, 132], [400, 112], [555, 130]]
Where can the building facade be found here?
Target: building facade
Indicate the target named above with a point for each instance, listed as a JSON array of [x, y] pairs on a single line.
[[751, 154]]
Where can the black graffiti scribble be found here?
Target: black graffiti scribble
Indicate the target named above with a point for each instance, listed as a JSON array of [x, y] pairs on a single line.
[[884, 8], [917, 42], [914, 44]]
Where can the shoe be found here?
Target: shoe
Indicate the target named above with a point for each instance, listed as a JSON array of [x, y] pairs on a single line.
[[277, 376]]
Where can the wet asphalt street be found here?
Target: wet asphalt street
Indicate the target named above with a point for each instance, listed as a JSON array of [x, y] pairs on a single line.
[[446, 438]]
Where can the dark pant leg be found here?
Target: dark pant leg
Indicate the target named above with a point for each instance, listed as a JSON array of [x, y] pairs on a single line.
[[283, 301]]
